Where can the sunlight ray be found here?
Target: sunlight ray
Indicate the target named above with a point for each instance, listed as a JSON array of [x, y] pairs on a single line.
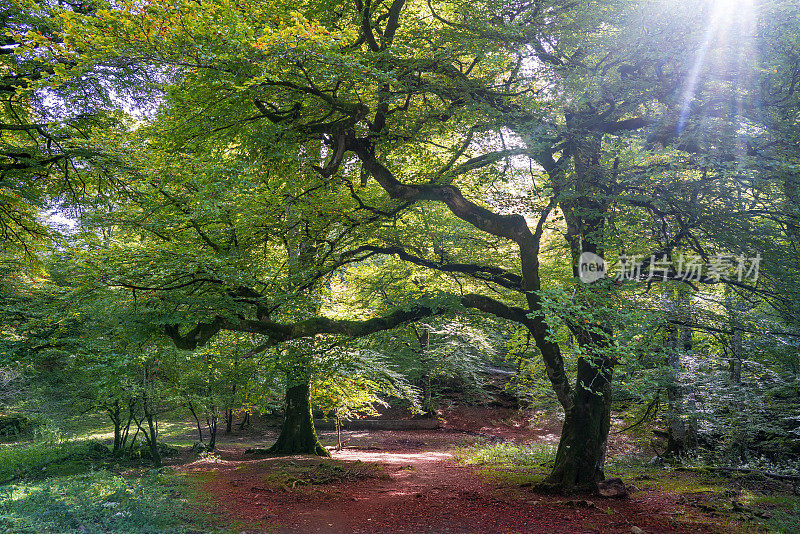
[[726, 16]]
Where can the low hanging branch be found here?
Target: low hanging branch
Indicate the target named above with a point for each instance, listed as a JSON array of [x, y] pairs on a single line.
[[280, 332], [513, 227]]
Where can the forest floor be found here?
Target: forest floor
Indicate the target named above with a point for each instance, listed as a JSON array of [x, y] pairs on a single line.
[[476, 474], [466, 477]]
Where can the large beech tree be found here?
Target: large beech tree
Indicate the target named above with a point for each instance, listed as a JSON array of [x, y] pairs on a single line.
[[371, 112], [251, 257]]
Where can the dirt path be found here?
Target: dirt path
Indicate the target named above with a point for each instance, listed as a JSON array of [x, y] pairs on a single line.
[[416, 489]]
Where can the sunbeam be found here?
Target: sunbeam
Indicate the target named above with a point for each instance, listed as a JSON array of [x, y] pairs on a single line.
[[729, 24]]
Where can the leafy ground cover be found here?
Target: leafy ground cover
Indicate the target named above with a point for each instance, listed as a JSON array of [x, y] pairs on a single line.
[[103, 501], [56, 483], [447, 480]]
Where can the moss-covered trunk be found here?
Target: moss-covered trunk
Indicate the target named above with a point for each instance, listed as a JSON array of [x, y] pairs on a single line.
[[582, 448], [298, 435]]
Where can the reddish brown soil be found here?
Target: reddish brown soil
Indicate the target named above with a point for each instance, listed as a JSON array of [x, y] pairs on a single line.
[[420, 489]]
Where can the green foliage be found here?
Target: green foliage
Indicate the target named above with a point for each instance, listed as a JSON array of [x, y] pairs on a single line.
[[13, 426], [220, 378], [783, 512], [748, 425], [44, 458], [46, 171], [261, 170], [101, 500], [351, 383]]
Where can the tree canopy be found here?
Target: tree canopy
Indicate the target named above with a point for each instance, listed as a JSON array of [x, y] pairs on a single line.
[[301, 176]]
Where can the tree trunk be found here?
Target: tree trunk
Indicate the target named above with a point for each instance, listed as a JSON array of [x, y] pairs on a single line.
[[211, 421], [736, 358], [117, 436], [116, 418], [681, 434], [338, 432], [126, 430], [298, 435], [427, 402], [582, 448], [135, 435], [196, 420], [228, 420], [423, 337], [791, 188], [580, 457], [734, 311], [153, 440], [676, 429], [245, 421]]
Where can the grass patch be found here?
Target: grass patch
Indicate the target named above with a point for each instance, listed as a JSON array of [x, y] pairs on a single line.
[[507, 454], [747, 503], [102, 501], [509, 463], [784, 511], [40, 460], [318, 473], [682, 482]]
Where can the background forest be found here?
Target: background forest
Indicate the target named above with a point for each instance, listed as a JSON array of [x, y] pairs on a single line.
[[231, 214]]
